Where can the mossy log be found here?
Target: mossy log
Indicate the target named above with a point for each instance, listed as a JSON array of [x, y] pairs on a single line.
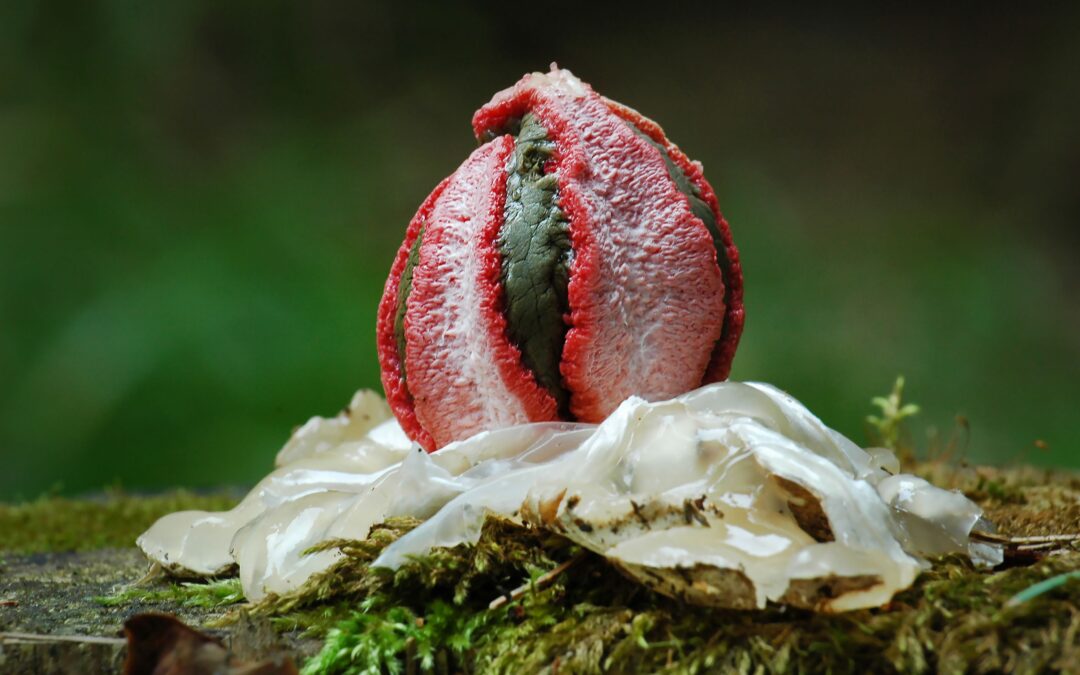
[[68, 569], [61, 560]]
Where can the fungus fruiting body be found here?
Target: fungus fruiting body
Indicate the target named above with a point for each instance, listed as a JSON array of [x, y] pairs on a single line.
[[732, 495], [576, 258], [557, 323]]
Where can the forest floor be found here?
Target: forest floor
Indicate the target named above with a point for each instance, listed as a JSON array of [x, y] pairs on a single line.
[[68, 573]]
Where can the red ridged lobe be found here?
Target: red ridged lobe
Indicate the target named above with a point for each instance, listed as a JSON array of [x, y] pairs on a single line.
[[464, 373], [645, 294], [734, 312], [397, 392]]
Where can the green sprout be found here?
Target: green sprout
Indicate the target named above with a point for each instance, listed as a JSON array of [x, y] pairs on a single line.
[[893, 413]]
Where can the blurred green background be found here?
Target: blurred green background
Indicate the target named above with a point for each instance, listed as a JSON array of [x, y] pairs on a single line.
[[199, 202]]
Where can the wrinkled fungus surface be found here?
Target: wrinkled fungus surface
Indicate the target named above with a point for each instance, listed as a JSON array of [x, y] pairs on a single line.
[[732, 495], [576, 257]]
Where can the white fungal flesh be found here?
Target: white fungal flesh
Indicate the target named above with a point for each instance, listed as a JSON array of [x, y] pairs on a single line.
[[453, 351], [732, 495]]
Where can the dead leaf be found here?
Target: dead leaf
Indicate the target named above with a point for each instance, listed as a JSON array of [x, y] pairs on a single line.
[[160, 644]]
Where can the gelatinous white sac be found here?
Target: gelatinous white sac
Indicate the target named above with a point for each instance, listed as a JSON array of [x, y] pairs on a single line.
[[732, 495]]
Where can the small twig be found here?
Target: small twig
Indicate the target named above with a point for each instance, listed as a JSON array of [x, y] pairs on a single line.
[[15, 638], [1022, 541], [1049, 546], [541, 581]]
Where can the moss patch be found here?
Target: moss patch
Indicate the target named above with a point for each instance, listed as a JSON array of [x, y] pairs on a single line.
[[206, 595], [434, 614], [114, 519]]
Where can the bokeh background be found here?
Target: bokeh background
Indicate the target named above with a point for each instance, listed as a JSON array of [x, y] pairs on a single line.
[[199, 202]]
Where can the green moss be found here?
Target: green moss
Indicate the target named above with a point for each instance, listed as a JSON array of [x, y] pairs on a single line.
[[207, 595], [385, 641], [954, 619], [505, 555], [433, 614], [114, 520]]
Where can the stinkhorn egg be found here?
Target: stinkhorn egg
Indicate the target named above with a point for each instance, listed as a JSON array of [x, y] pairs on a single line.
[[576, 258], [576, 268]]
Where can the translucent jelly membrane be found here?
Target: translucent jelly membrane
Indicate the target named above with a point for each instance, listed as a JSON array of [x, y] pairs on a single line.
[[732, 495]]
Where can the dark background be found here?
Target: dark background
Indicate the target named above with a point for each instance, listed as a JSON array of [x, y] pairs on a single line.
[[199, 202]]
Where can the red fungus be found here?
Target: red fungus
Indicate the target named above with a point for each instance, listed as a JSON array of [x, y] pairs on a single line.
[[628, 275]]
